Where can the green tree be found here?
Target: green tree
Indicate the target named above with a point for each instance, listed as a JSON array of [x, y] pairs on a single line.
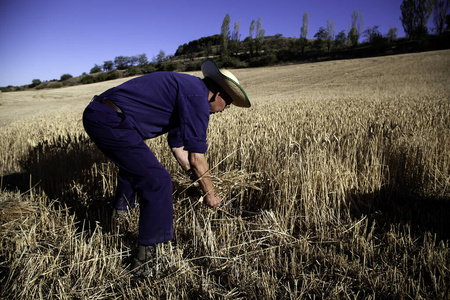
[[133, 60], [340, 39], [108, 65], [142, 59], [87, 79], [320, 36], [373, 34], [415, 16], [353, 37], [65, 77], [235, 37], [160, 57], [304, 29], [208, 48], [35, 82], [439, 14], [330, 34], [356, 28], [424, 10], [392, 34], [121, 62], [250, 37], [259, 36], [408, 19], [225, 34], [95, 69], [304, 32]]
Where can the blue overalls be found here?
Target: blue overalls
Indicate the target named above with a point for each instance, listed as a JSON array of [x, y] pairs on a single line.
[[147, 107]]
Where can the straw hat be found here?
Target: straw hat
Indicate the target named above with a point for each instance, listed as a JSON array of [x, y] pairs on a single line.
[[226, 80]]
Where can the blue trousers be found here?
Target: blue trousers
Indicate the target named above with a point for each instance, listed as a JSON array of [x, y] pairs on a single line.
[[140, 173]]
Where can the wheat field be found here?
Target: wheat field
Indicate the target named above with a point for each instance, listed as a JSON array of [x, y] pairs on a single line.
[[335, 185]]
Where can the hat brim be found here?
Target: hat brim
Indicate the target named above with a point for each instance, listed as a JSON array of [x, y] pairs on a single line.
[[227, 81]]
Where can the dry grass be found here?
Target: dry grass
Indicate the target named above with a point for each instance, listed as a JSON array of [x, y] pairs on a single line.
[[336, 184]]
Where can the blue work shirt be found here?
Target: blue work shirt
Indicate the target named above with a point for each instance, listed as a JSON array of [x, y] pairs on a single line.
[[163, 102]]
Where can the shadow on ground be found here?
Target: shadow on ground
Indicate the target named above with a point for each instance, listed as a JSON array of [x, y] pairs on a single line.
[[63, 169], [406, 199]]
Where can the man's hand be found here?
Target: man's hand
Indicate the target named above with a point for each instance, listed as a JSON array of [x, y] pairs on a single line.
[[182, 156], [213, 200]]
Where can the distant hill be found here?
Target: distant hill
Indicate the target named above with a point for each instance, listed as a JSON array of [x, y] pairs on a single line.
[[270, 50]]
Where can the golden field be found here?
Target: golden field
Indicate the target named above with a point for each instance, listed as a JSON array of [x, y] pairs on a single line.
[[335, 185]]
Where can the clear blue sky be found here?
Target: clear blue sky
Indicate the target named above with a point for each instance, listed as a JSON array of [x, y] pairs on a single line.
[[48, 38]]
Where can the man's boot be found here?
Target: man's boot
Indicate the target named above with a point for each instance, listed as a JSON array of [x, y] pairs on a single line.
[[118, 220], [144, 261]]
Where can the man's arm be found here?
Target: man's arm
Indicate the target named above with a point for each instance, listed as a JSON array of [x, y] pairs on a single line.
[[182, 156], [200, 167]]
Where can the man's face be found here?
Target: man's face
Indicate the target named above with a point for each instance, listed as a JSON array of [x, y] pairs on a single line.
[[219, 102]]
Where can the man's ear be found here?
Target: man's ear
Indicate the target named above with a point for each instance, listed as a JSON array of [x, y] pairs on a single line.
[[222, 94], [225, 97], [216, 95]]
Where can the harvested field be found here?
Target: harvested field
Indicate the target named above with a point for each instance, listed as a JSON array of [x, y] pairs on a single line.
[[336, 184]]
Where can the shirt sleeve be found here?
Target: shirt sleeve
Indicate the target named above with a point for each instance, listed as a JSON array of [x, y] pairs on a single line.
[[194, 119], [174, 138]]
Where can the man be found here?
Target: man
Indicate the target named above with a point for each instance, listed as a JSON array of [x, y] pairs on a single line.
[[120, 119]]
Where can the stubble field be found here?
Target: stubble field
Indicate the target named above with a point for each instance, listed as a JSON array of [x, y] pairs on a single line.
[[336, 184]]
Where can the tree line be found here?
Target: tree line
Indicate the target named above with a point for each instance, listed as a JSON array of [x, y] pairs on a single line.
[[121, 66], [256, 50]]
